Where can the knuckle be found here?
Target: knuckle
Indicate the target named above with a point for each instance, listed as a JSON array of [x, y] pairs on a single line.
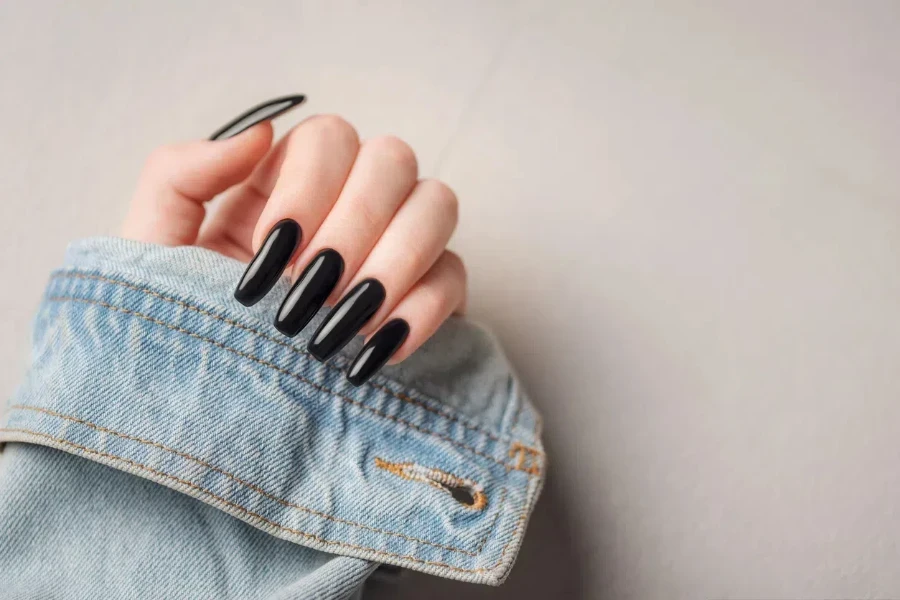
[[334, 129], [435, 298], [397, 151], [159, 159], [441, 291], [456, 266], [443, 197], [370, 213]]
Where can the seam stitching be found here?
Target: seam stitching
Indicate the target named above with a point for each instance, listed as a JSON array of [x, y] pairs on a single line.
[[397, 395], [263, 519], [288, 373], [252, 486]]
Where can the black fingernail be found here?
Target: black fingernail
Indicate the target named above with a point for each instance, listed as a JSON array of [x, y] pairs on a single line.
[[266, 267], [378, 351], [346, 319], [257, 114], [310, 292]]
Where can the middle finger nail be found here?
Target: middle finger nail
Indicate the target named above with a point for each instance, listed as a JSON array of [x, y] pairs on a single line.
[[310, 292], [346, 319]]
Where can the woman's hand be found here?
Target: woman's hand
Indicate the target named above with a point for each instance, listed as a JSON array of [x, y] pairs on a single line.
[[349, 221]]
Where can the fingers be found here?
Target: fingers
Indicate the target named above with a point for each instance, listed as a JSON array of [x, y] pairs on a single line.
[[440, 293], [301, 181], [384, 173], [177, 180], [315, 163], [410, 245], [167, 207], [365, 230], [354, 225]]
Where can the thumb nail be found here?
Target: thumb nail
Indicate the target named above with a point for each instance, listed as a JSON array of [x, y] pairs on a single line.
[[257, 114]]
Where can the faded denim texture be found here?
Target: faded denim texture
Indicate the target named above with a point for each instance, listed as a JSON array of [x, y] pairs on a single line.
[[292, 482]]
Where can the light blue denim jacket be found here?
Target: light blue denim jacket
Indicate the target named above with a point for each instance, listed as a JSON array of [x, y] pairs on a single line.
[[261, 473]]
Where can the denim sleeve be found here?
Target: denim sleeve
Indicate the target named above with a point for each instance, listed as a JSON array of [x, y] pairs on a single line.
[[260, 471]]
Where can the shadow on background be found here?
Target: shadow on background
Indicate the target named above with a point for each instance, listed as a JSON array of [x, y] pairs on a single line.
[[549, 565]]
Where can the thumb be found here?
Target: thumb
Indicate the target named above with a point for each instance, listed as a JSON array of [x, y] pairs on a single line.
[[177, 180]]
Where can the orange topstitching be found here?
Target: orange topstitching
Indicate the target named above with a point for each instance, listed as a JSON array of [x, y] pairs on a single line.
[[522, 517], [237, 479]]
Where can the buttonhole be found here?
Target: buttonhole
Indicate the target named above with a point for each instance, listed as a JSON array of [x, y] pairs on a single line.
[[465, 491], [461, 494]]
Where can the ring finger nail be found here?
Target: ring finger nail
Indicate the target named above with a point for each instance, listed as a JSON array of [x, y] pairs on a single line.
[[308, 295], [266, 267], [346, 319], [378, 351]]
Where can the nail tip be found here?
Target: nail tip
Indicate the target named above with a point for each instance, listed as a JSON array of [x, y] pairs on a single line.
[[290, 330], [355, 382], [315, 354], [248, 302], [284, 330]]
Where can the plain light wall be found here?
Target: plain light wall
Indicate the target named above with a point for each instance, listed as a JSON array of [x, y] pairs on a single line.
[[681, 218]]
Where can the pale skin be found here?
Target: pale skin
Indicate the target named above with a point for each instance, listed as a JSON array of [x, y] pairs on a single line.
[[361, 198]]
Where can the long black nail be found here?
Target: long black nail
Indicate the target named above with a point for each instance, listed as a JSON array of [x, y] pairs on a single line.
[[266, 267], [378, 351], [310, 292], [346, 319], [257, 114]]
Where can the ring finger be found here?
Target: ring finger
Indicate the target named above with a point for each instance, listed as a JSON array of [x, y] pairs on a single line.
[[410, 245]]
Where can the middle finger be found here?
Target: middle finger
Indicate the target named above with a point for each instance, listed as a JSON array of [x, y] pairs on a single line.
[[384, 173]]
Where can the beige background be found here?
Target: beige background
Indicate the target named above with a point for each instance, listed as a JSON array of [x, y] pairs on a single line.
[[681, 218]]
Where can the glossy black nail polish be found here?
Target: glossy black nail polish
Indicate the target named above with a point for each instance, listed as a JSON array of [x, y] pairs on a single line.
[[378, 351], [346, 319], [257, 114], [266, 267], [310, 292]]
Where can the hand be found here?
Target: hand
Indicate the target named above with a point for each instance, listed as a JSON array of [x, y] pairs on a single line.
[[350, 222]]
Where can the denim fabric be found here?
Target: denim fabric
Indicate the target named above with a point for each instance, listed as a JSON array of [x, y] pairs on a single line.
[[70, 528], [143, 362]]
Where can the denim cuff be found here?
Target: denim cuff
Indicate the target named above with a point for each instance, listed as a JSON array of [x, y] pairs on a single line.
[[143, 361]]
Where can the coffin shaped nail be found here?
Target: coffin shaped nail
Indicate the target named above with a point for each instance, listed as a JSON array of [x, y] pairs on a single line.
[[267, 266], [378, 351], [310, 292], [346, 319], [259, 113]]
